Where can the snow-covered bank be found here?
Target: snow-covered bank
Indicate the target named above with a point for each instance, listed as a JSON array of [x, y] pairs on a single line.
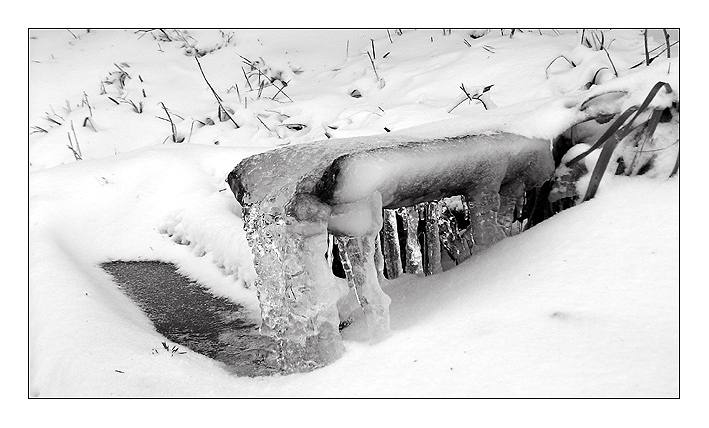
[[585, 304]]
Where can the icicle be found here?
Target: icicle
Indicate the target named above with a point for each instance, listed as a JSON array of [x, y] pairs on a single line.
[[358, 261], [432, 243], [467, 234], [451, 240], [484, 229], [330, 245], [390, 245], [295, 288], [511, 202], [379, 259], [410, 220]]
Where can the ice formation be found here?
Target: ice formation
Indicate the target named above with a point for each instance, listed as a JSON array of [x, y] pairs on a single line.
[[410, 220], [390, 245], [294, 196]]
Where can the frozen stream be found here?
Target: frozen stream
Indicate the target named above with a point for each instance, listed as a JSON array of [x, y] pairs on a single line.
[[187, 314]]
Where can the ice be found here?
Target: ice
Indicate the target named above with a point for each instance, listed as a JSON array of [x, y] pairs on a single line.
[[294, 197], [358, 261], [457, 248], [432, 255], [363, 217], [390, 247], [484, 226], [410, 220]]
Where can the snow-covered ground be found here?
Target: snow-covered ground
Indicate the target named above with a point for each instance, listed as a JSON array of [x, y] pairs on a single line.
[[585, 304]]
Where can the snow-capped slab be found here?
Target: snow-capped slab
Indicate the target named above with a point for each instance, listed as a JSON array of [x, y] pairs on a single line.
[[294, 196], [403, 170]]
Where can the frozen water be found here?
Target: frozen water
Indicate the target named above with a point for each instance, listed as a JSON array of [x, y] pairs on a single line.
[[296, 291], [390, 245], [294, 196], [451, 240], [432, 255], [410, 220], [358, 261]]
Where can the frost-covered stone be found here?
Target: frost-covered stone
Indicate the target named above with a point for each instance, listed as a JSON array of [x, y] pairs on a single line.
[[292, 197]]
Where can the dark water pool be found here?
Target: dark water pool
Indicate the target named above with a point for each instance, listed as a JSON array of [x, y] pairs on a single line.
[[186, 313]]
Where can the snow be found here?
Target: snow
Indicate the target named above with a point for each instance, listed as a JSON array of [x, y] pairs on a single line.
[[582, 305], [418, 171]]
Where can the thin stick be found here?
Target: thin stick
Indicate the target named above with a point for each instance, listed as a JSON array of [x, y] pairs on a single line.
[[90, 122], [71, 147], [667, 42], [649, 131], [374, 53], [546, 71], [467, 96], [266, 79], [585, 104], [163, 31], [121, 70], [86, 98], [260, 88], [593, 81], [676, 167], [374, 67], [219, 101], [647, 53], [172, 124], [280, 91], [71, 122], [247, 79], [611, 61], [656, 56], [661, 45], [189, 137], [389, 34], [266, 126], [477, 97]]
